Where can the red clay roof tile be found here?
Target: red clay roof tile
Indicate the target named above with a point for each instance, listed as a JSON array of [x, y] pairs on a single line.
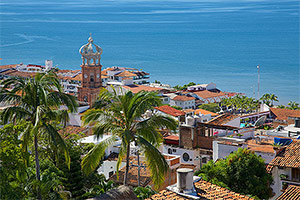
[[291, 193], [170, 110]]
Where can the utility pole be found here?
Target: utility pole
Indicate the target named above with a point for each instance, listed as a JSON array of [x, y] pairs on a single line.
[[139, 166], [258, 78]]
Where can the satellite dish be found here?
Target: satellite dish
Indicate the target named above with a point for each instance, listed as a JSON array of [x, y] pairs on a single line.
[[260, 121]]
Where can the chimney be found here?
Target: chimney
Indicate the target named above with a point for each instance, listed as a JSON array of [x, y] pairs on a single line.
[[185, 179]]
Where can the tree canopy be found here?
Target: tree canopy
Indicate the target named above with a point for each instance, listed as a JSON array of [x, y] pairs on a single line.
[[212, 107], [184, 87], [269, 99], [240, 103], [242, 172]]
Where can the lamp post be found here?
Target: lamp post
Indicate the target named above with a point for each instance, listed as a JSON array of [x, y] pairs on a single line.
[[258, 77]]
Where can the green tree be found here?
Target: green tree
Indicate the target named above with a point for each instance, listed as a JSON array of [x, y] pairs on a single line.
[[240, 104], [281, 106], [12, 163], [293, 105], [242, 172], [144, 192], [184, 87], [212, 107], [273, 98], [123, 117], [177, 107], [37, 101], [269, 99]]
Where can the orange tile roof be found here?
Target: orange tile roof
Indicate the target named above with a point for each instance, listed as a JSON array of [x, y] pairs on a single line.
[[145, 177], [208, 94], [126, 74], [208, 190], [168, 195], [13, 72], [183, 98], [291, 193], [202, 111], [73, 130], [170, 111], [76, 78], [283, 114], [205, 190], [138, 88], [288, 157], [222, 119], [171, 137], [8, 66], [265, 146], [269, 168]]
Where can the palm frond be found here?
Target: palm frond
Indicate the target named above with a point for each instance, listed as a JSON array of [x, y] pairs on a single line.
[[91, 161], [58, 141], [155, 161]]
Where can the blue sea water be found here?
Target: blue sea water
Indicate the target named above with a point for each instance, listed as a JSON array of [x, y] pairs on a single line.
[[176, 41]]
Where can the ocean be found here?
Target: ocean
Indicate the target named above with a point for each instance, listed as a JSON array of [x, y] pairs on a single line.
[[176, 41]]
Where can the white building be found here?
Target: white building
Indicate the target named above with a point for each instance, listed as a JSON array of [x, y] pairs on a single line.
[[124, 75], [187, 156], [261, 145], [210, 86], [35, 68], [185, 102]]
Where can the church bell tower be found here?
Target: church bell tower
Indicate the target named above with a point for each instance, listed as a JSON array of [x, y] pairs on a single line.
[[90, 71]]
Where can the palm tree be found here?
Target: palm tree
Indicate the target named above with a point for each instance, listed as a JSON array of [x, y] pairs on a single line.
[[281, 106], [37, 101], [123, 117], [273, 98], [293, 105], [266, 99]]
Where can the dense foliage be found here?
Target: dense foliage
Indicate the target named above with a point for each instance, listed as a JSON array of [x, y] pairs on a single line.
[[177, 107], [242, 172], [292, 105], [269, 99], [17, 169], [144, 192], [240, 104], [212, 107], [37, 101], [184, 87]]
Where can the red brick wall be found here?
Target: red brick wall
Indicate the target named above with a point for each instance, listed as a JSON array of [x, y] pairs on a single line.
[[185, 137]]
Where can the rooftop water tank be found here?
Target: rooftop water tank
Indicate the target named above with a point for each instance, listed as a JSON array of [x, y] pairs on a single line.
[[184, 179], [190, 121]]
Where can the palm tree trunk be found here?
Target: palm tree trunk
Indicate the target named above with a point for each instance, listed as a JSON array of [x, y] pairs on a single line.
[[127, 165], [37, 167]]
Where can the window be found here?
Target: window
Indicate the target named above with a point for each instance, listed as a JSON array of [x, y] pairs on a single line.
[[174, 150], [111, 173], [85, 99], [295, 174], [186, 157], [169, 151]]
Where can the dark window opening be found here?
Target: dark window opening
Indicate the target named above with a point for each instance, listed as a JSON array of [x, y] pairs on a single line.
[[186, 157]]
